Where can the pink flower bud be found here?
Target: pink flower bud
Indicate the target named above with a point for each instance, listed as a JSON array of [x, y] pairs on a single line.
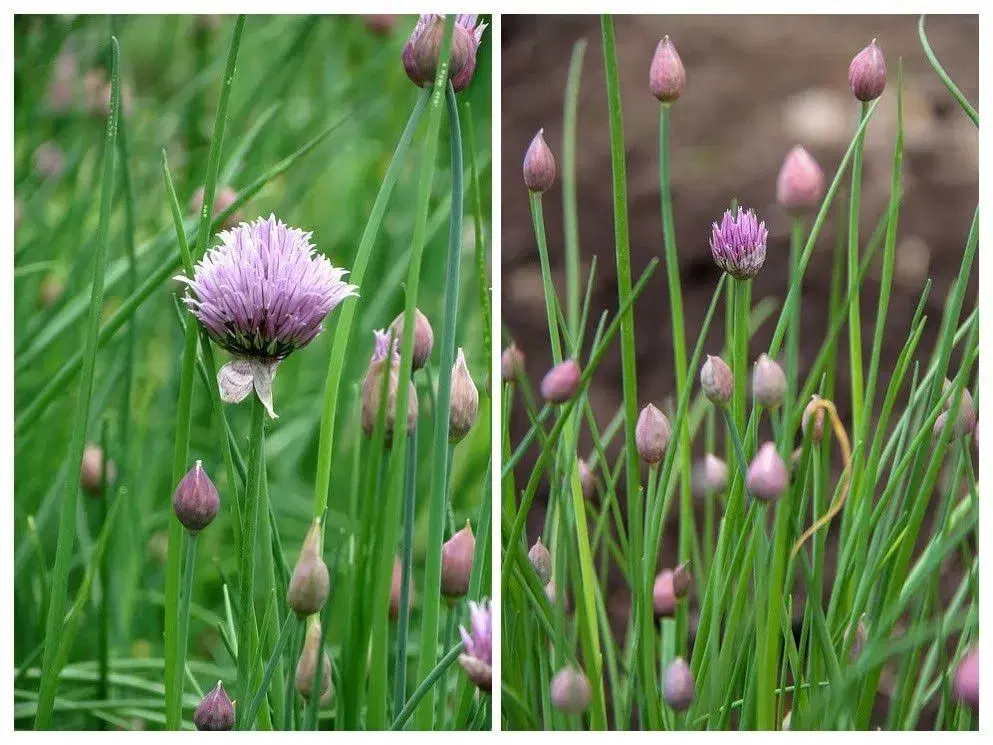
[[215, 712], [195, 500], [570, 691], [664, 595], [512, 363], [867, 73], [716, 380], [667, 75], [464, 401], [91, 470], [710, 475], [813, 420], [539, 165], [541, 560], [652, 434], [423, 337], [561, 382], [800, 184], [587, 479], [966, 684], [767, 478], [307, 665], [456, 562], [768, 382], [678, 686], [311, 581]]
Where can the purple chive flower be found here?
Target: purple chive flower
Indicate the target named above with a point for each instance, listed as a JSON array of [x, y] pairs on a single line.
[[262, 294], [738, 244], [477, 660], [420, 54]]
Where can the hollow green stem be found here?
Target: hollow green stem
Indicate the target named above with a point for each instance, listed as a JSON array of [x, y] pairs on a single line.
[[406, 561]]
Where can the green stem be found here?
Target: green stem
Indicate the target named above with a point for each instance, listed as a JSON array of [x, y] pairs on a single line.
[[538, 219], [186, 596], [270, 668], [343, 328], [406, 559], [854, 313], [246, 558], [570, 210], [426, 686], [70, 494]]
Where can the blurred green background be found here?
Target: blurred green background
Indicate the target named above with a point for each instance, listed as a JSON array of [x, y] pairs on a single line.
[[296, 76]]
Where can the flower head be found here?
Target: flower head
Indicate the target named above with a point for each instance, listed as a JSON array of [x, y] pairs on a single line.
[[311, 581], [678, 686], [307, 664], [767, 477], [717, 380], [561, 382], [467, 22], [456, 562], [652, 434], [420, 54], [667, 75], [477, 659], [800, 184], [539, 165], [768, 382], [738, 244], [867, 73], [215, 712], [464, 400], [966, 684], [195, 500], [262, 294], [570, 691]]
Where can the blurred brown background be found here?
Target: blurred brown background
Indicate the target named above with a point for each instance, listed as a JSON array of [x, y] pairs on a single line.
[[756, 86]]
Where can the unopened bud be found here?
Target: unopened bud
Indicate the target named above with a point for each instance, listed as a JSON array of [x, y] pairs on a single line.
[[541, 560], [570, 691], [385, 361], [224, 198], [667, 75], [50, 290], [539, 165], [423, 337], [867, 73], [768, 382], [800, 184], [456, 562], [710, 475], [812, 422], [587, 479], [464, 401], [561, 382], [421, 53], [767, 478], [652, 434], [678, 686], [307, 665], [91, 470], [311, 580], [857, 639], [965, 422], [215, 712], [966, 684], [195, 500], [681, 579], [664, 595], [717, 381], [512, 363]]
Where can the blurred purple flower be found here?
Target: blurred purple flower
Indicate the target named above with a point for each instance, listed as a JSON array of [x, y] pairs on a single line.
[[477, 660], [262, 294], [738, 244]]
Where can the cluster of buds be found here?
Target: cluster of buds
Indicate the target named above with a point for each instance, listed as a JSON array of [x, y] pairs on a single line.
[[311, 581], [671, 586], [652, 434], [456, 563], [195, 500]]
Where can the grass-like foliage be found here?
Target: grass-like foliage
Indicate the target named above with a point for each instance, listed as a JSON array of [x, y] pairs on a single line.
[[177, 547], [783, 633]]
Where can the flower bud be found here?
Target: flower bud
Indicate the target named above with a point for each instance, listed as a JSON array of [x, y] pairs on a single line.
[[768, 382], [541, 560], [379, 24], [678, 686], [50, 290], [311, 580], [423, 337], [857, 639], [681, 579], [966, 422], [587, 479], [423, 48], [396, 586], [664, 595], [91, 470], [965, 687], [652, 434], [464, 401], [716, 380], [710, 476], [570, 691], [539, 165], [512, 363], [477, 641], [667, 75], [195, 500], [385, 361], [307, 664], [800, 184], [561, 382], [223, 199], [813, 420], [215, 712], [456, 562], [867, 73], [551, 592], [767, 478]]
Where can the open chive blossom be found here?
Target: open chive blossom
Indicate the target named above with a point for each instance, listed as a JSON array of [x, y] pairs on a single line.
[[262, 294], [738, 243], [477, 660]]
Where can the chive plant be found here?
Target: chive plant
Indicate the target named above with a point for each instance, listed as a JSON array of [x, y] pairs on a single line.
[[743, 659], [232, 486]]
